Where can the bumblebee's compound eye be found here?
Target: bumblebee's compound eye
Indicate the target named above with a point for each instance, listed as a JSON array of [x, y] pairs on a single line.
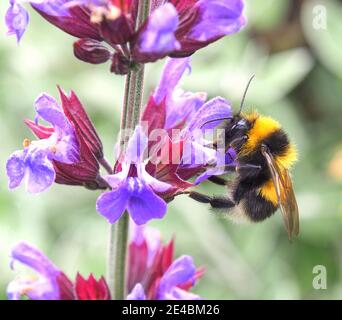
[[241, 124]]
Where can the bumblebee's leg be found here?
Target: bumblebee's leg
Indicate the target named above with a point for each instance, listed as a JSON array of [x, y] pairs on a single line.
[[200, 197], [218, 180], [232, 168], [215, 202]]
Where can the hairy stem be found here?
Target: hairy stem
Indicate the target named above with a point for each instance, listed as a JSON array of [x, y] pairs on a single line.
[[118, 243], [118, 239]]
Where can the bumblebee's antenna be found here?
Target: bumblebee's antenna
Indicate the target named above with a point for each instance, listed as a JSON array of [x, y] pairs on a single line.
[[214, 120], [245, 93]]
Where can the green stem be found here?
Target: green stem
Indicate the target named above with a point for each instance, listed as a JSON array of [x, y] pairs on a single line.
[[118, 238], [118, 243], [137, 85]]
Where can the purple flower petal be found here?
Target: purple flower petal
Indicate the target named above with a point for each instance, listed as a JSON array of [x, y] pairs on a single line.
[[205, 175], [56, 8], [181, 271], [33, 258], [67, 149], [136, 146], [136, 233], [218, 18], [217, 108], [180, 294], [17, 19], [154, 183], [34, 288], [63, 140], [195, 153], [151, 236], [112, 204], [180, 105], [183, 107], [41, 173], [171, 75], [44, 287], [48, 109], [115, 180], [159, 35], [219, 169], [137, 293], [133, 192], [15, 169], [144, 205], [34, 166], [153, 239]]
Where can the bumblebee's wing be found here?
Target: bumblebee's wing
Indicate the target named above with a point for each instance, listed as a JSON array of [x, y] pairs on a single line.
[[286, 197]]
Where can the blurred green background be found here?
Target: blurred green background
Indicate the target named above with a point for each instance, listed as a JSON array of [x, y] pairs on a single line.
[[298, 82]]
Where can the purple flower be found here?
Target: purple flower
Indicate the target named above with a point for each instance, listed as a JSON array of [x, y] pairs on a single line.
[[198, 151], [175, 28], [33, 164], [168, 108], [49, 282], [133, 189], [16, 19], [187, 26], [86, 171], [181, 271], [153, 274], [225, 162], [43, 286], [180, 105], [137, 293], [159, 37], [217, 18]]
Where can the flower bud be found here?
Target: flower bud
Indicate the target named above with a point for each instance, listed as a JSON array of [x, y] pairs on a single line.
[[120, 64], [91, 51]]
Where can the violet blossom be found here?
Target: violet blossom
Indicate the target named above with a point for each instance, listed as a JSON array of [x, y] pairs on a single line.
[[175, 28], [133, 188], [143, 181], [68, 152], [172, 109], [154, 274], [34, 164], [49, 282]]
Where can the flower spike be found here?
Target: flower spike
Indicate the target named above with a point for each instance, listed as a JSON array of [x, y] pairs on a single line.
[[175, 28]]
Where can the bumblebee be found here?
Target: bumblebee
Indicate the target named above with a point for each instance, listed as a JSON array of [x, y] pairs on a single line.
[[262, 183]]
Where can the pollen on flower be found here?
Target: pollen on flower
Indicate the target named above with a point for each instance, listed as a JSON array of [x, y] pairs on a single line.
[[26, 143], [27, 283], [53, 149], [98, 14], [201, 95], [25, 290], [113, 13]]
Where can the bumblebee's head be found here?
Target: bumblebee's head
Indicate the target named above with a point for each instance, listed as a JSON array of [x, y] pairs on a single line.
[[235, 128]]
